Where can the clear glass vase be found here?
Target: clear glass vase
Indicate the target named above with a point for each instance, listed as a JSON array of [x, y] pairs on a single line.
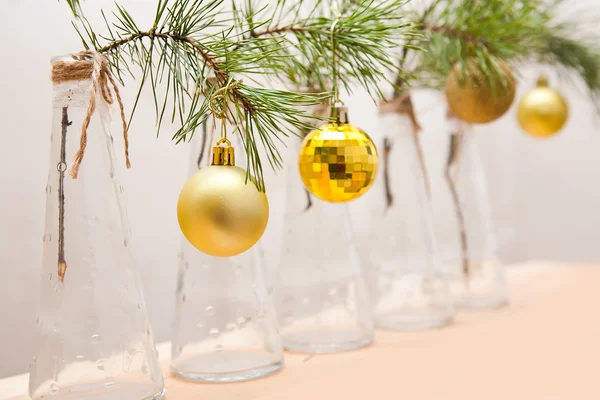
[[225, 327], [465, 227], [93, 336], [407, 290], [322, 303]]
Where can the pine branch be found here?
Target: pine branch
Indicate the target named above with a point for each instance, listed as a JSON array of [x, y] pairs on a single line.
[[190, 43], [515, 31], [365, 34]]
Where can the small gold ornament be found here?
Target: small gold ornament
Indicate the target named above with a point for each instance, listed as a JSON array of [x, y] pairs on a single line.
[[471, 96], [218, 212], [543, 111], [338, 162]]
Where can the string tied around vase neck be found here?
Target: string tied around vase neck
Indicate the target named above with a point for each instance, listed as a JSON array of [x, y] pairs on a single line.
[[92, 65]]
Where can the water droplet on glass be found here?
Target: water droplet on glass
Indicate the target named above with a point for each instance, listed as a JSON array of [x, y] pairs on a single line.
[[95, 339], [79, 357], [57, 287], [241, 320], [126, 243], [179, 349], [214, 332], [123, 288], [180, 255], [33, 362], [38, 322], [210, 311], [111, 173], [219, 348], [48, 189], [48, 237], [54, 388], [100, 364], [183, 298], [139, 306], [109, 382], [144, 369], [186, 265], [199, 325], [270, 291], [155, 352], [121, 188], [230, 326]]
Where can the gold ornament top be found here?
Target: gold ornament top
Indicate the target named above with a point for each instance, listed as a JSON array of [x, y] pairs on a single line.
[[338, 162], [223, 155]]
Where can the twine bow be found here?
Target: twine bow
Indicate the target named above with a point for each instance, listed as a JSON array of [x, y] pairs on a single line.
[[103, 82]]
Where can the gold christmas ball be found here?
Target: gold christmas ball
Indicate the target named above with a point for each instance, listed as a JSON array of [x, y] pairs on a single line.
[[338, 162], [543, 111], [219, 213], [472, 98]]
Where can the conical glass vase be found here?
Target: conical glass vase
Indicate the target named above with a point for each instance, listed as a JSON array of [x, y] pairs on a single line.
[[322, 303], [93, 336], [225, 328], [465, 227], [407, 290]]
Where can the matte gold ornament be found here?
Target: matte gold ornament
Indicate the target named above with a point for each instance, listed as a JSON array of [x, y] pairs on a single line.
[[473, 98], [218, 212], [338, 162], [543, 111]]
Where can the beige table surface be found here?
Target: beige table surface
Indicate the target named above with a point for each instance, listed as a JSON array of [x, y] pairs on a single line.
[[544, 346]]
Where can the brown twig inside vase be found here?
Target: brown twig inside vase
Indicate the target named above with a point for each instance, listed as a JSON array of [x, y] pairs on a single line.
[[62, 167], [402, 104], [453, 157], [387, 148]]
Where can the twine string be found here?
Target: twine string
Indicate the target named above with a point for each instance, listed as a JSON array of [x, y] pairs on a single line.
[[93, 66]]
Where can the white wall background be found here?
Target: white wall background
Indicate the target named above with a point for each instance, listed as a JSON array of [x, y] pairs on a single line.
[[545, 194]]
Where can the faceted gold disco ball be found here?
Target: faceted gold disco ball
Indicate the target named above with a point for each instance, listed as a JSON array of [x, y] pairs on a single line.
[[338, 162]]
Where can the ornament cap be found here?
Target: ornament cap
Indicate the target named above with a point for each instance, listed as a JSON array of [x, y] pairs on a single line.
[[340, 114], [223, 155], [543, 81]]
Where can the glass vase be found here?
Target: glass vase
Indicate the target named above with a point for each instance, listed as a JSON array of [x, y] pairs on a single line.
[[470, 251], [225, 322], [93, 336], [322, 303], [407, 290]]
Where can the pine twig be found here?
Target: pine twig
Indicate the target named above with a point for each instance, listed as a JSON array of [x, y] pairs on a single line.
[[449, 31]]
